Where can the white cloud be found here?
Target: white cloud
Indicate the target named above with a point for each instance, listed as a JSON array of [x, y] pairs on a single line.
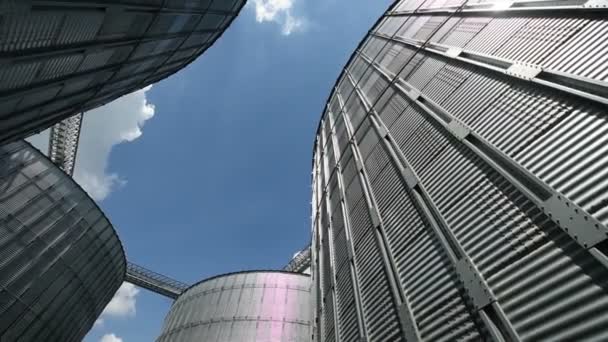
[[123, 303], [102, 128], [98, 323], [110, 338], [281, 12]]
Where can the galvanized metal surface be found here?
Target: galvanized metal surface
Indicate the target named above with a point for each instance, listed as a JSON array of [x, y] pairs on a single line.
[[245, 306], [62, 58], [477, 154], [60, 259]]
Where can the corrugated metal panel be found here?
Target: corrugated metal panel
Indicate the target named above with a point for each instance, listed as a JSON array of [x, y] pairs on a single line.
[[35, 30], [425, 72], [252, 306], [429, 27], [58, 67], [446, 81], [418, 137], [80, 27], [464, 31], [495, 34], [402, 55], [571, 157], [347, 313], [15, 76], [416, 23], [379, 309], [539, 37], [518, 116], [585, 53]]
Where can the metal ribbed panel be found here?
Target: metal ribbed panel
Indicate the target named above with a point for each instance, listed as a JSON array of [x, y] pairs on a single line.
[[379, 309], [57, 43], [29, 31], [80, 27], [401, 56], [246, 306], [539, 37], [446, 81], [416, 23], [347, 313], [584, 54], [571, 156], [427, 29], [418, 138], [487, 89], [425, 72], [393, 109], [464, 31], [17, 76], [515, 118], [329, 327], [59, 66], [495, 33], [61, 260]]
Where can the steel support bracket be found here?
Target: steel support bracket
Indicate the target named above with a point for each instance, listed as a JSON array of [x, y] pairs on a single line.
[[459, 130], [575, 222], [349, 251], [407, 322], [596, 4], [380, 130], [474, 284], [413, 94], [453, 52], [409, 177], [359, 164], [524, 71], [374, 217]]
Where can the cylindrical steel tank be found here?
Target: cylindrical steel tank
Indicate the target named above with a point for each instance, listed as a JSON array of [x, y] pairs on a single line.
[[460, 174], [269, 306], [61, 58], [60, 258]]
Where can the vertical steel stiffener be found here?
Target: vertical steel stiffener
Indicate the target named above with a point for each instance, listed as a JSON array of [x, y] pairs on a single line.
[[466, 143]]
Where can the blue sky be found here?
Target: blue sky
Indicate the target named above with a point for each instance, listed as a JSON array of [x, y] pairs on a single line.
[[218, 178]]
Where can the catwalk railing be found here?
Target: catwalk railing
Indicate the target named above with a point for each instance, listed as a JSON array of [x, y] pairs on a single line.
[[300, 262], [63, 143], [155, 282]]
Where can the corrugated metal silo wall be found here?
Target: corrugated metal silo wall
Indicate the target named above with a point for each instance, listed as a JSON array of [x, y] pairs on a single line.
[[460, 177], [60, 259], [61, 58], [256, 306]]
